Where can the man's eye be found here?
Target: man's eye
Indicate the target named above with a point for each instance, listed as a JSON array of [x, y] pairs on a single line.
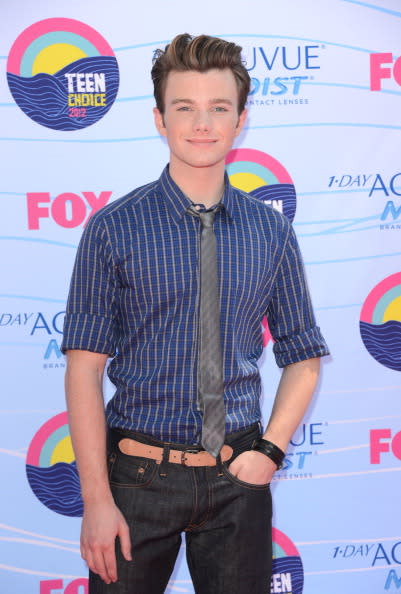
[[184, 108], [220, 108]]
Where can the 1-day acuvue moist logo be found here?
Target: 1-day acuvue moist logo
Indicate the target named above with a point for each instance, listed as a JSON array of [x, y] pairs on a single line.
[[262, 176], [380, 322], [62, 74], [51, 468]]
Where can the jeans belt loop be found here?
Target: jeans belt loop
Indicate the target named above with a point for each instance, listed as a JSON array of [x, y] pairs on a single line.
[[219, 465], [164, 462]]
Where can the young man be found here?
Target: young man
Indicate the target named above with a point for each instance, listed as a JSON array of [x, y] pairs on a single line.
[[136, 297]]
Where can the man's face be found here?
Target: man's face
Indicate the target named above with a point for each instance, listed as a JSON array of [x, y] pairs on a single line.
[[200, 120]]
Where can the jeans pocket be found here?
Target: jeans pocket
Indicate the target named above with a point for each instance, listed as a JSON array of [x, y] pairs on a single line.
[[236, 481], [130, 471]]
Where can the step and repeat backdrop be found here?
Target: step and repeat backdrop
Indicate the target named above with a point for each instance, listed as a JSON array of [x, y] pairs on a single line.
[[324, 119]]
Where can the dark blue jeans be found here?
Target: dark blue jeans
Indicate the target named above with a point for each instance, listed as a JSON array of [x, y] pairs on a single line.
[[227, 524]]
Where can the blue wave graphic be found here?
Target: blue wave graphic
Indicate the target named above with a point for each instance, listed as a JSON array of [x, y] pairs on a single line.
[[31, 298], [356, 259], [375, 7], [292, 566], [326, 124], [37, 240], [283, 192], [383, 342], [157, 137], [57, 487], [228, 35], [44, 96], [306, 82]]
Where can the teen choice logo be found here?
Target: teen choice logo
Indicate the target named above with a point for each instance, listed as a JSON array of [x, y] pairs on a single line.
[[380, 322], [287, 571], [264, 177], [51, 468], [62, 74]]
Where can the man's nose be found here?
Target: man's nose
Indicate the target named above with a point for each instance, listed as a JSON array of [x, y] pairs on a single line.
[[202, 121]]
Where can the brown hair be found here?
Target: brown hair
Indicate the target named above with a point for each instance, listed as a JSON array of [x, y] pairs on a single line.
[[199, 53]]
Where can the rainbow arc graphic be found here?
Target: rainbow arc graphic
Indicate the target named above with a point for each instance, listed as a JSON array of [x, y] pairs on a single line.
[[51, 468], [263, 177], [380, 322]]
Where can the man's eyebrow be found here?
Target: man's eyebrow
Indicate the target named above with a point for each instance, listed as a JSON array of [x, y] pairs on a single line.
[[182, 100], [211, 101], [221, 100]]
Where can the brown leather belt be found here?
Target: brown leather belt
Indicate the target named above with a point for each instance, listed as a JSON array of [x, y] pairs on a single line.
[[189, 457]]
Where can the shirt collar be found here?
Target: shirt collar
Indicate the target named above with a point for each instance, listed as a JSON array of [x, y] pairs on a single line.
[[179, 203]]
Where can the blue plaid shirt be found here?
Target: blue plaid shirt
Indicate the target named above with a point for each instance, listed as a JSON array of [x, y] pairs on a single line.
[[135, 295]]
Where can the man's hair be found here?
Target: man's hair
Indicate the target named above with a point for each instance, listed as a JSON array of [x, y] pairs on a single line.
[[199, 53]]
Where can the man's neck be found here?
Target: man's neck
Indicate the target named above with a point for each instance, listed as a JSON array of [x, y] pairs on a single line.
[[203, 185]]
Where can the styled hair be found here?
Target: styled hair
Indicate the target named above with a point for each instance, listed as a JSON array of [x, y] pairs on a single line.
[[199, 53]]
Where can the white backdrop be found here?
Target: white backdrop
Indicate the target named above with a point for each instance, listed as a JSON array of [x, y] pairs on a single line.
[[315, 121]]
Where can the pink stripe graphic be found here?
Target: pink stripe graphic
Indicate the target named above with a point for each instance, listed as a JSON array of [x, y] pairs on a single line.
[[261, 158], [42, 435], [47, 26], [376, 294], [284, 542]]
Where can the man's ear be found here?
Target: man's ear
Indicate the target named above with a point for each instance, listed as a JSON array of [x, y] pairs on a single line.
[[241, 121], [159, 121]]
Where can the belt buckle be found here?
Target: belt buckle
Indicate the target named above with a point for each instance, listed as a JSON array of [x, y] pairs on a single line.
[[188, 451]]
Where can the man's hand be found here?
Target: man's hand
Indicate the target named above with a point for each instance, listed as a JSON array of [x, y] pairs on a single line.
[[101, 524], [253, 467]]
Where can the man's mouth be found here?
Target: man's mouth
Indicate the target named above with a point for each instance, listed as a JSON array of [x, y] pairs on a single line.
[[202, 140]]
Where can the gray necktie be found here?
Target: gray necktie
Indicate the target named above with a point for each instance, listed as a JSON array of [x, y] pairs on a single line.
[[211, 388]]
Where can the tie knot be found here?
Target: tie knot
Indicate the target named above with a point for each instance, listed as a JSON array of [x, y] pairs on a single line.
[[207, 218]]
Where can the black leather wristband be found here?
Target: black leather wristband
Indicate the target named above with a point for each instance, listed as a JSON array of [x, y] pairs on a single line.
[[270, 450]]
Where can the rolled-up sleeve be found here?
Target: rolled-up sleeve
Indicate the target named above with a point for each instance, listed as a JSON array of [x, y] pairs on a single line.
[[290, 314], [91, 313]]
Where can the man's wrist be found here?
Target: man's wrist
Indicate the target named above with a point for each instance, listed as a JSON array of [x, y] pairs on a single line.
[[270, 450], [97, 494]]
